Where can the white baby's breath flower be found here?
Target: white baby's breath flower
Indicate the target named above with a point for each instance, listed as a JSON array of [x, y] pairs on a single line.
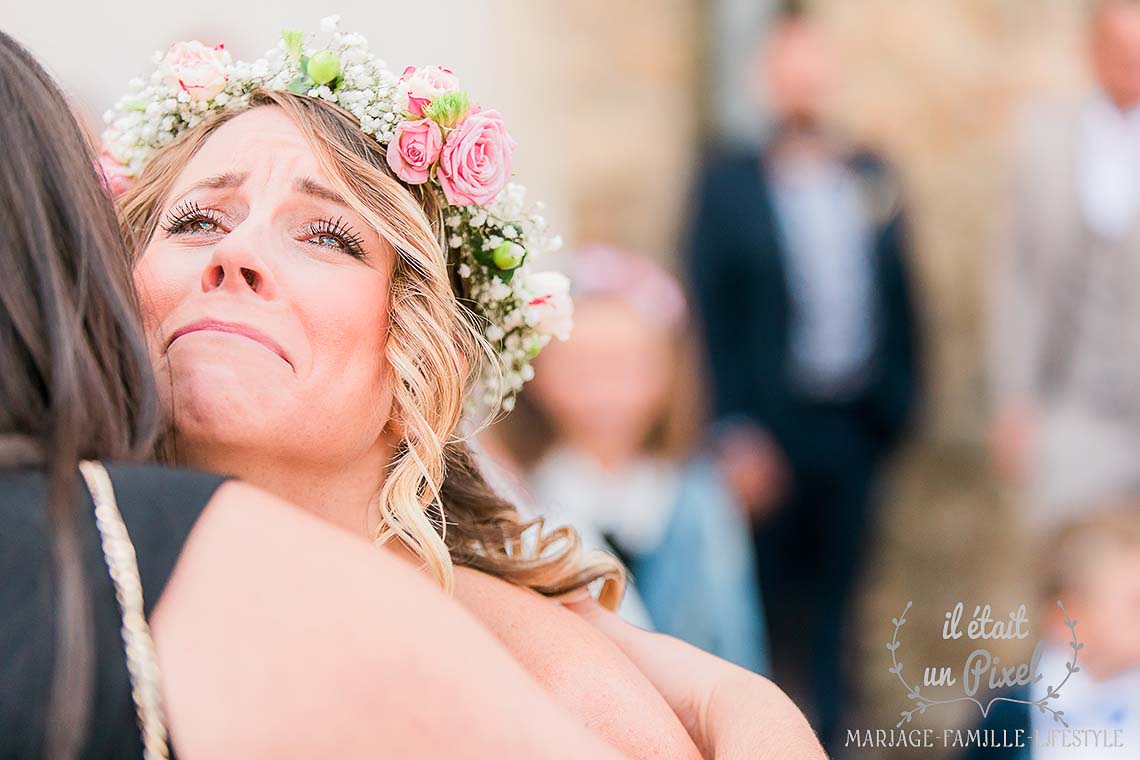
[[500, 290]]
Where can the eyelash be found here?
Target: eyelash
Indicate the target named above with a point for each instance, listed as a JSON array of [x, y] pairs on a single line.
[[179, 220], [350, 242]]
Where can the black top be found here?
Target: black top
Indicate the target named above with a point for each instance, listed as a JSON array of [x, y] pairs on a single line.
[[159, 507]]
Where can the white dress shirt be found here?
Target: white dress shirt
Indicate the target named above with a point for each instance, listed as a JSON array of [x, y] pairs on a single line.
[[1108, 171]]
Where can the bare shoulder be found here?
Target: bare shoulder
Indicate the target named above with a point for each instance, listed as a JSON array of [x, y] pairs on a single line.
[[583, 669]]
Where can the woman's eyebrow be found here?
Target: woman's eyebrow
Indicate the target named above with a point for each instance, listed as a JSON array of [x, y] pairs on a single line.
[[227, 181], [311, 187]]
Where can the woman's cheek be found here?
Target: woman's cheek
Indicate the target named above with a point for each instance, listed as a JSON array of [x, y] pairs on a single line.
[[153, 300]]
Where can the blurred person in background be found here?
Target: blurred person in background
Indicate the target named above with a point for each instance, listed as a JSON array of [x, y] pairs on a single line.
[[1092, 565], [798, 261], [1066, 315], [605, 437]]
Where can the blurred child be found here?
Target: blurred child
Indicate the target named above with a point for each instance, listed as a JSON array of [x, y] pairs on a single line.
[[604, 435], [1093, 566]]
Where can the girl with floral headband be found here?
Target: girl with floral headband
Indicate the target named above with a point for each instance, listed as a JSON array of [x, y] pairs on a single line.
[[333, 269], [607, 439]]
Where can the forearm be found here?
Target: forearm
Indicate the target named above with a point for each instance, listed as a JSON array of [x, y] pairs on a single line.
[[749, 717], [731, 713], [728, 711]]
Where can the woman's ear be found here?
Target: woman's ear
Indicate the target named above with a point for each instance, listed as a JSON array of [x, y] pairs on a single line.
[[395, 429]]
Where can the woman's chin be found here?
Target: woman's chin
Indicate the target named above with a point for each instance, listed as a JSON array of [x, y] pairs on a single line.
[[226, 404]]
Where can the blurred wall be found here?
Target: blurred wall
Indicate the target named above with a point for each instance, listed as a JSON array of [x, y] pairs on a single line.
[[937, 85], [620, 87]]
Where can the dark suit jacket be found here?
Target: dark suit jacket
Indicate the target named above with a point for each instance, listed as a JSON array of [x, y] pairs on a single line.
[[737, 270], [1008, 718]]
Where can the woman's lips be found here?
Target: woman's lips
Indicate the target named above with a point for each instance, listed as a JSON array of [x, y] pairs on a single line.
[[234, 328]]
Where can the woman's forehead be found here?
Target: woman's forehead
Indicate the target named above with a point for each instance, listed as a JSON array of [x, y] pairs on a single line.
[[260, 142], [261, 135]]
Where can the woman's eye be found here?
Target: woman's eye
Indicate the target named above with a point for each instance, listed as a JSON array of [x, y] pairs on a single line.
[[331, 241], [190, 219], [201, 225], [335, 234]]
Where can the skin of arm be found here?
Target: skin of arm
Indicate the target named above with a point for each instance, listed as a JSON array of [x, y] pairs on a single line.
[[279, 636], [729, 712], [583, 670]]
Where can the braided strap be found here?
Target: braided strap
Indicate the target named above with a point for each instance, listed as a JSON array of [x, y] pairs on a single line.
[[142, 663]]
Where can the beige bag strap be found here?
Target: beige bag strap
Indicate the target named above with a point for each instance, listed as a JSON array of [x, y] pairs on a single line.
[[142, 663]]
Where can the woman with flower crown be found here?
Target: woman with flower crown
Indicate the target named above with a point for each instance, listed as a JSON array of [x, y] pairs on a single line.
[[334, 269], [132, 598]]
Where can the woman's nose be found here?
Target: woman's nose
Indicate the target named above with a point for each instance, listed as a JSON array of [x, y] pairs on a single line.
[[234, 266]]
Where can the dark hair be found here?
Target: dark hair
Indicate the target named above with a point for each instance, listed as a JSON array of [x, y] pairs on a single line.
[[76, 381]]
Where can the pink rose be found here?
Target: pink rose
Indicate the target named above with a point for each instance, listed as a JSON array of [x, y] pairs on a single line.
[[414, 149], [197, 69], [115, 176], [475, 163], [549, 308], [422, 86]]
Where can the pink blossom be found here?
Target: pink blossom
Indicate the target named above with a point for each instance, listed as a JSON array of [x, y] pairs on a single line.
[[114, 176], [414, 149], [422, 86], [549, 309], [199, 70], [475, 163]]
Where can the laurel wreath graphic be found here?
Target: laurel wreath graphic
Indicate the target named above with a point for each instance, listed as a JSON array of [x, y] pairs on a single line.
[[923, 702]]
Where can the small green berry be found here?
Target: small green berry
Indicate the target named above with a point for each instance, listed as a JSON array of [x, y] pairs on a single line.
[[324, 66], [508, 255]]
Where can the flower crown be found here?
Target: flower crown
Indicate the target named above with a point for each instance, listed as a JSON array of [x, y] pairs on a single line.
[[434, 137]]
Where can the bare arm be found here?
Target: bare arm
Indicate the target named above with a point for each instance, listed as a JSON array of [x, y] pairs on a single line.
[[584, 671], [281, 637], [729, 712]]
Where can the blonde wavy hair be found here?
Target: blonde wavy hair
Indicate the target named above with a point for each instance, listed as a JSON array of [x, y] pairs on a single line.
[[434, 498]]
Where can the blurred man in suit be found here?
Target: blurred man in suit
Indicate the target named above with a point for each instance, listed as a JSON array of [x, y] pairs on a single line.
[[798, 260], [1065, 326]]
